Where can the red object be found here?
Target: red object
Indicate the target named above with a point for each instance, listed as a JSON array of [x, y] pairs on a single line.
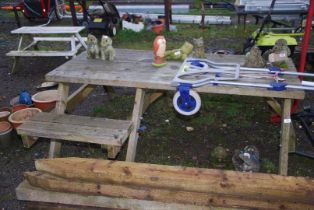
[[4, 127], [45, 107], [45, 100], [18, 107]]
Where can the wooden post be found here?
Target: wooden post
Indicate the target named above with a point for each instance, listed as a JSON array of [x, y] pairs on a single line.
[[63, 92], [167, 4], [84, 11], [136, 115], [285, 136], [17, 18], [73, 13]]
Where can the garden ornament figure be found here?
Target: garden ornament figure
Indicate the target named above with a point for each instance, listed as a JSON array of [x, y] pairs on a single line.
[[92, 47], [181, 53], [159, 48], [106, 50], [254, 58], [199, 50]]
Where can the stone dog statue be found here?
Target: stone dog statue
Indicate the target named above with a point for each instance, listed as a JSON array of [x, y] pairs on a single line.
[[106, 50], [92, 47], [102, 50]]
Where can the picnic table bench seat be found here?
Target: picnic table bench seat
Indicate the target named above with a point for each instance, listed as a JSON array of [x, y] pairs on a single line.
[[107, 132]]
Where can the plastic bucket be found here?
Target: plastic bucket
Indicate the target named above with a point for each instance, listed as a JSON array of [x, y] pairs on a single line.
[[5, 134]]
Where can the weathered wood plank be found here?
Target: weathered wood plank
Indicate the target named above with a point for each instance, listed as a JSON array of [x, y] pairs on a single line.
[[70, 132], [28, 141], [132, 68], [136, 121], [82, 121], [47, 30], [111, 150], [78, 96], [180, 178], [285, 137], [54, 206], [49, 182], [27, 192], [63, 93], [31, 53]]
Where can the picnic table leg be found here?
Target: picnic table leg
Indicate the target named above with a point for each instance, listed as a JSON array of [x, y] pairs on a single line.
[[136, 115], [63, 92], [285, 137], [16, 59], [78, 36]]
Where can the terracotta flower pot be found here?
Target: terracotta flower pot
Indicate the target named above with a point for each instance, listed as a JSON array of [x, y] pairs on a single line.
[[4, 113], [5, 134], [19, 117], [45, 100], [18, 107]]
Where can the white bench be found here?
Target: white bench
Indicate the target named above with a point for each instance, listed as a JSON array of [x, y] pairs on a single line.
[[63, 34]]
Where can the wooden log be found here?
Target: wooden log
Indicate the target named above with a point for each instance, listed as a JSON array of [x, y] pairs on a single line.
[[181, 178], [50, 182], [27, 192]]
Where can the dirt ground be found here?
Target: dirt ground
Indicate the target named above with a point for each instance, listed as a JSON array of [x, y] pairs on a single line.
[[229, 121]]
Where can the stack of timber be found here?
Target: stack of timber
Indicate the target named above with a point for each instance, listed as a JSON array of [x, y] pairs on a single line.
[[126, 185]]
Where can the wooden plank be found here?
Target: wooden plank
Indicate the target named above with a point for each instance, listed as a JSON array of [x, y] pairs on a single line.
[[53, 183], [57, 39], [82, 121], [27, 192], [78, 96], [80, 133], [55, 206], [111, 150], [47, 30], [180, 178], [30, 53], [28, 141], [63, 93], [136, 121], [132, 68], [285, 136], [151, 98]]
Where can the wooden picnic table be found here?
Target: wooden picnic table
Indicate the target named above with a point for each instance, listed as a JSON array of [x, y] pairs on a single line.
[[133, 68], [43, 34]]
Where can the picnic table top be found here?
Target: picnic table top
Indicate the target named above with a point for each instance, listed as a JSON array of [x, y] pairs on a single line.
[[48, 30], [133, 68]]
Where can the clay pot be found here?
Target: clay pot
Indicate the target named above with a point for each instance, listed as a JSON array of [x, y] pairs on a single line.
[[45, 100], [18, 107], [4, 113], [19, 117], [5, 134]]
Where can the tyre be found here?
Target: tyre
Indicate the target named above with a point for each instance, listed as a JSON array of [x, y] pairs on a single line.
[[112, 30], [187, 109]]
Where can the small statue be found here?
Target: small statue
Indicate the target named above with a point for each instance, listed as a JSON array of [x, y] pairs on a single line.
[[199, 51], [254, 58], [181, 53], [218, 157], [106, 50], [278, 55], [247, 160], [92, 47], [159, 47]]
